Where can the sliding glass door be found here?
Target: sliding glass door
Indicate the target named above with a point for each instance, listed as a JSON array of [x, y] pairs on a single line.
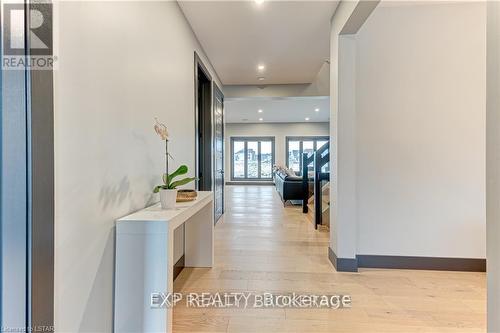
[[252, 158], [296, 146]]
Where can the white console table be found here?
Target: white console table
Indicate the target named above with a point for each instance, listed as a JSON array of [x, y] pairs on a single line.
[[144, 259]]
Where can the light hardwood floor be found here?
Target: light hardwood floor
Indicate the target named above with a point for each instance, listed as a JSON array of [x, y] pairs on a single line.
[[263, 247]]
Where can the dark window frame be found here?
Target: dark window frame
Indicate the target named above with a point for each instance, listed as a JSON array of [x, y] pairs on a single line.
[[246, 139], [301, 139]]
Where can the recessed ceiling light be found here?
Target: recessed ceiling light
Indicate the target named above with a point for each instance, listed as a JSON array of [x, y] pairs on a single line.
[[307, 119], [260, 111], [260, 119], [259, 2], [317, 110], [261, 67], [261, 78]]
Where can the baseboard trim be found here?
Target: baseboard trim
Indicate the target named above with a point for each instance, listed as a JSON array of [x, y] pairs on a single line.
[[422, 263], [179, 265], [406, 262], [342, 264], [257, 183]]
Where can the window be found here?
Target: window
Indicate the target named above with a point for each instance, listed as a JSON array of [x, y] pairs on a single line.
[[297, 146], [252, 158]]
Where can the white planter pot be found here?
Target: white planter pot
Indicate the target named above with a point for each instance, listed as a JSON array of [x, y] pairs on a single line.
[[167, 198]]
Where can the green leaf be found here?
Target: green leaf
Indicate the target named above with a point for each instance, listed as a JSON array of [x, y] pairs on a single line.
[[181, 182], [160, 187], [183, 169]]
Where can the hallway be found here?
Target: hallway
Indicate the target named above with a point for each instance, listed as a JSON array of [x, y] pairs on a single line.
[[263, 247]]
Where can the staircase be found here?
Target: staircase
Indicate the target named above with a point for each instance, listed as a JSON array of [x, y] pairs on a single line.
[[325, 196], [317, 202]]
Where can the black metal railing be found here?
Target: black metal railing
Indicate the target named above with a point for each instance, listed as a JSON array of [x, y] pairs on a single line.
[[307, 160], [318, 160], [321, 158]]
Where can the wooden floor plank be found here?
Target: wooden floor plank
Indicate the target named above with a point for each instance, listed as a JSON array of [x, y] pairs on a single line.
[[261, 246]]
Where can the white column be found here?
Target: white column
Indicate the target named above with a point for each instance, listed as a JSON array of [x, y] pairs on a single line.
[[342, 223], [493, 165], [348, 18], [346, 149]]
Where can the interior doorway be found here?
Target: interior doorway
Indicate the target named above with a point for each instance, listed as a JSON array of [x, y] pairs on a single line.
[[209, 102], [204, 145]]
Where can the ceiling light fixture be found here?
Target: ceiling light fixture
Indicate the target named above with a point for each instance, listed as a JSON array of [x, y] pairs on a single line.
[[307, 119], [260, 111], [259, 2], [317, 110], [260, 119], [261, 68], [261, 78]]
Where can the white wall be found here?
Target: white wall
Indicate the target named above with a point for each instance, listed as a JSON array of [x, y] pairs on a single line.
[[420, 124], [120, 64], [278, 130], [493, 165]]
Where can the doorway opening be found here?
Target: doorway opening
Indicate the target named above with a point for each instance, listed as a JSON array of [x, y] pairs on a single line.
[[203, 100], [209, 108]]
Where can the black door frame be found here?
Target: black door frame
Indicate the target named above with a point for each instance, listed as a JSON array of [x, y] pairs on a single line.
[[203, 95]]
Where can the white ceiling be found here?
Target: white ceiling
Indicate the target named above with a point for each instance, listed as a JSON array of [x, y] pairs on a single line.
[[277, 109], [291, 38]]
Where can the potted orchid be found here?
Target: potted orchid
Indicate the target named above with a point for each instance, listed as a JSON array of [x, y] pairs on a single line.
[[168, 190]]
